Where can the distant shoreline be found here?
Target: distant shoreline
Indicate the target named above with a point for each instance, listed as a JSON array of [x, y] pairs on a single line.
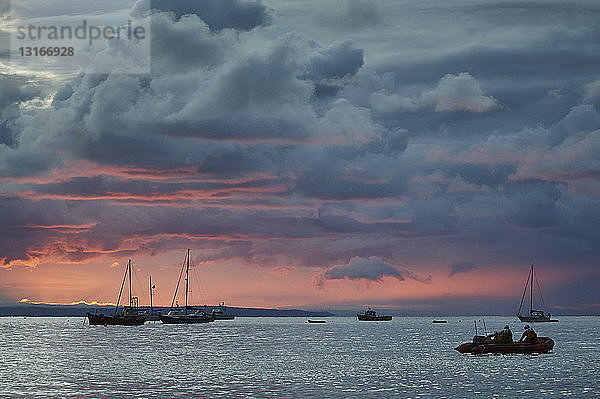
[[79, 310], [47, 310]]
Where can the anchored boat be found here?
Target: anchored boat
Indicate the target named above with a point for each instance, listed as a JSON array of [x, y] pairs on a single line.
[[371, 315], [220, 313], [130, 315], [187, 315], [535, 315]]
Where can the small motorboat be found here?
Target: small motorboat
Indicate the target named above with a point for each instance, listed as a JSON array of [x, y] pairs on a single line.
[[440, 321], [220, 313], [315, 321], [480, 346], [371, 315]]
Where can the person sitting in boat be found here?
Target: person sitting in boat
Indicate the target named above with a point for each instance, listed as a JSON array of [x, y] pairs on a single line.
[[500, 337], [492, 337], [505, 336], [529, 336]]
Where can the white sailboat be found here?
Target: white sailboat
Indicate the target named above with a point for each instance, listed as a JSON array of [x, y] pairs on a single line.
[[535, 315]]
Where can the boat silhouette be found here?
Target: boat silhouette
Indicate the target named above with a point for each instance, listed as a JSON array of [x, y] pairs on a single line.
[[371, 315], [187, 314], [130, 315], [535, 315]]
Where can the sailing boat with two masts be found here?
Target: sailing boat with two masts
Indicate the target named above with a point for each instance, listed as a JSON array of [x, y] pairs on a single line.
[[534, 314], [187, 315], [130, 315]]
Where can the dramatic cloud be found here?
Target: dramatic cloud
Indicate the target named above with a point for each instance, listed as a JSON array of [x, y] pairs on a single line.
[[459, 93], [461, 267], [336, 61], [591, 94], [218, 14], [453, 93], [304, 143], [371, 269], [14, 90]]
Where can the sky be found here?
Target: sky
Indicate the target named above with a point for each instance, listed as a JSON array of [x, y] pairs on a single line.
[[413, 156]]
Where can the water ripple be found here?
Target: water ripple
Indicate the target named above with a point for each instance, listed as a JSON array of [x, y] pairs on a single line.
[[285, 357]]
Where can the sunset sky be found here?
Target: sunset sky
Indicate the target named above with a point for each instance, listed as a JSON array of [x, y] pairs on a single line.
[[314, 154]]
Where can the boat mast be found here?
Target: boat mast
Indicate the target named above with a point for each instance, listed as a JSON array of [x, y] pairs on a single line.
[[121, 291], [150, 293], [129, 268], [531, 293], [177, 286], [187, 270]]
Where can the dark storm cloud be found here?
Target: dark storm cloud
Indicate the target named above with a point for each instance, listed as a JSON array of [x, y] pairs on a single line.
[[488, 175], [15, 89], [177, 47], [219, 14], [404, 145], [22, 236], [349, 15], [434, 216], [331, 69], [371, 269], [592, 93], [336, 61], [77, 230], [461, 267], [538, 207], [255, 96], [328, 186], [582, 118]]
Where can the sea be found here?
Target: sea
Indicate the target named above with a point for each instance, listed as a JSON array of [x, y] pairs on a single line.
[[262, 357]]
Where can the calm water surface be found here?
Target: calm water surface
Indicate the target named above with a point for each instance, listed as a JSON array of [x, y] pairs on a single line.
[[408, 357]]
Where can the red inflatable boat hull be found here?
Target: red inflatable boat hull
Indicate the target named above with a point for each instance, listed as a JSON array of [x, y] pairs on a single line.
[[543, 345]]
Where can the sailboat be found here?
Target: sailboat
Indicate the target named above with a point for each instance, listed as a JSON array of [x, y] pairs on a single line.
[[534, 314], [185, 315], [129, 316]]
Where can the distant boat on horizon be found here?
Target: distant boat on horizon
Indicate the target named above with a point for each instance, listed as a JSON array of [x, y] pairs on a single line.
[[187, 315], [371, 315], [220, 313], [130, 315], [535, 315]]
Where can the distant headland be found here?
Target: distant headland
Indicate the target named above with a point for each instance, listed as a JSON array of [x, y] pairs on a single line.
[[79, 310]]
